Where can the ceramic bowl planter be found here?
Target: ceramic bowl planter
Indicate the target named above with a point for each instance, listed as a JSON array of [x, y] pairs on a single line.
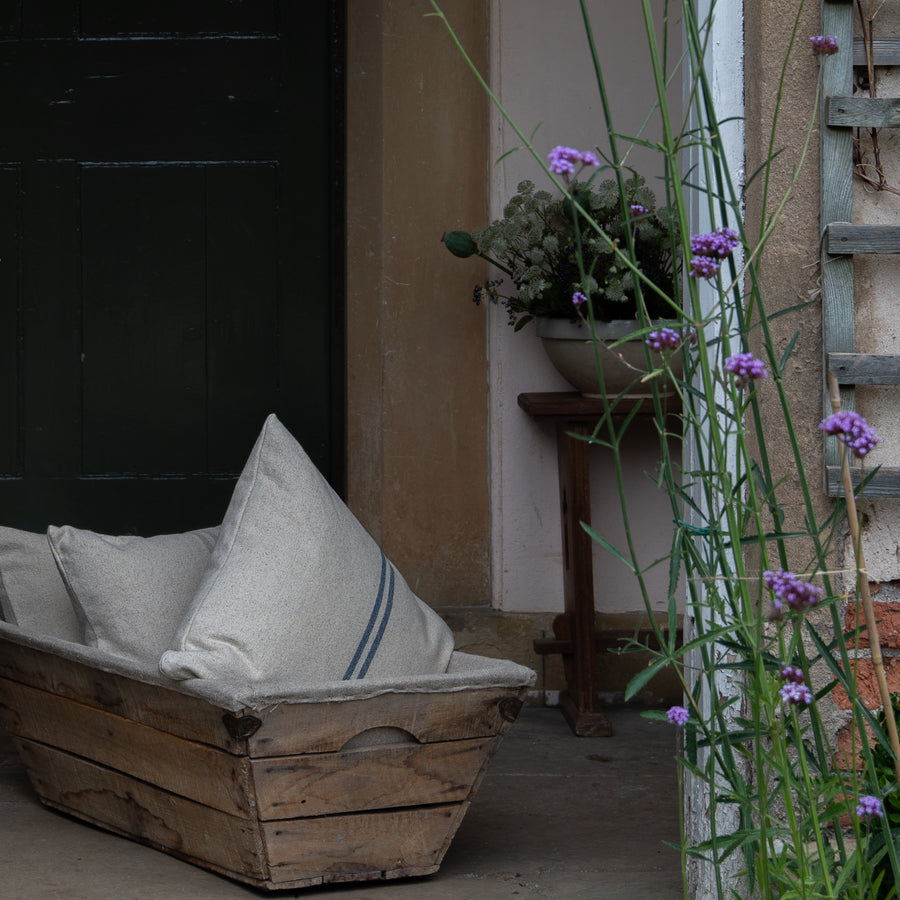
[[571, 349]]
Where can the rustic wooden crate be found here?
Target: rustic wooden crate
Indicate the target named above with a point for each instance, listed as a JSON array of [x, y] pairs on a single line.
[[297, 795]]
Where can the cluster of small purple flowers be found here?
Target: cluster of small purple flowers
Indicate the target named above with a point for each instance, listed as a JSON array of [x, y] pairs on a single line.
[[794, 690], [853, 430], [709, 249], [670, 338], [824, 44], [638, 209], [869, 806], [745, 367], [564, 159], [677, 715], [790, 592]]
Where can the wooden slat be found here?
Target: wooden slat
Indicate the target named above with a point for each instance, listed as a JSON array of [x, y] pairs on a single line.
[[184, 716], [369, 778], [193, 770], [356, 847], [862, 112], [326, 727], [836, 202], [845, 238], [885, 52], [126, 806], [885, 482], [865, 368]]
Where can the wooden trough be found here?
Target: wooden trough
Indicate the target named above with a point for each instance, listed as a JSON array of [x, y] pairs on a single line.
[[370, 783]]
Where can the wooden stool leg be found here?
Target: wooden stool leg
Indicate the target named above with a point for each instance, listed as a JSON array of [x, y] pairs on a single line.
[[579, 703]]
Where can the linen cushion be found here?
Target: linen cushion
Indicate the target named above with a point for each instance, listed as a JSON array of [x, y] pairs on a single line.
[[297, 589], [32, 594], [130, 592]]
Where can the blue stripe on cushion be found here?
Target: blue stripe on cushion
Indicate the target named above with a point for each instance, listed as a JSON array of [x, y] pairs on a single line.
[[379, 598], [384, 620]]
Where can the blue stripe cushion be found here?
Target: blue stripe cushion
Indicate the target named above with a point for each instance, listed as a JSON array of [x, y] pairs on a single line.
[[296, 588]]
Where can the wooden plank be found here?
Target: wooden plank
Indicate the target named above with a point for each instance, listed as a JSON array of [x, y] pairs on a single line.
[[297, 728], [862, 112], [885, 52], [365, 845], [865, 368], [193, 770], [845, 238], [191, 718], [143, 319], [369, 778], [885, 482], [836, 202], [242, 318], [134, 809]]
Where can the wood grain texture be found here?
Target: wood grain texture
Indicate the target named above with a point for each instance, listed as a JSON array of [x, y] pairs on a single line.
[[842, 238], [862, 112], [359, 846], [188, 768], [369, 778], [180, 714], [127, 806], [865, 368]]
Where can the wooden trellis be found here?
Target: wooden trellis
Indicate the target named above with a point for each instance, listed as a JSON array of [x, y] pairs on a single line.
[[841, 240]]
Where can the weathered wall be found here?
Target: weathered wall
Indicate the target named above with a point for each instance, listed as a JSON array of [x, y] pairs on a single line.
[[416, 373]]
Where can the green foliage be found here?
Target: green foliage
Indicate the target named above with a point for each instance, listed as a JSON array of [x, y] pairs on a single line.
[[552, 246], [758, 756]]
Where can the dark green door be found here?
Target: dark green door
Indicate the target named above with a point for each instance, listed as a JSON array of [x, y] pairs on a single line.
[[169, 253]]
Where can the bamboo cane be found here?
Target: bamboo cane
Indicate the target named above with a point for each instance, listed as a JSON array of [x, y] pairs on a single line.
[[862, 583]]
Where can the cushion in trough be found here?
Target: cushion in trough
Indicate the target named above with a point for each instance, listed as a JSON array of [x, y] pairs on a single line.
[[130, 592], [32, 594], [297, 590]]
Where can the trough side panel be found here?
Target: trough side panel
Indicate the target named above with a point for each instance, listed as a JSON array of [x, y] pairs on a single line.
[[428, 717], [381, 777], [191, 831], [361, 846], [191, 718], [196, 771]]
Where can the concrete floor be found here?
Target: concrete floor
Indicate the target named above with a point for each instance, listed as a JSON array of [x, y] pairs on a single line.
[[556, 816]]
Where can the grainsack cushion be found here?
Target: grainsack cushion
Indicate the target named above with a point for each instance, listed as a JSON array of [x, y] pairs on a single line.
[[130, 592], [32, 594], [297, 589]]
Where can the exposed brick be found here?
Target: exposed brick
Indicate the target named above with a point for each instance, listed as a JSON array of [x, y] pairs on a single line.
[[887, 615], [867, 683], [844, 758]]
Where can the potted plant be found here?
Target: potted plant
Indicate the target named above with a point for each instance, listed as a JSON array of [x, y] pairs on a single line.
[[566, 274]]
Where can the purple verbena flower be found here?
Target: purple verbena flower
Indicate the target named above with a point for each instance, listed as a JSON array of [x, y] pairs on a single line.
[[677, 715], [853, 430], [578, 299], [869, 806], [745, 367], [664, 338], [704, 267], [824, 44], [791, 673], [719, 243], [670, 338], [638, 209], [793, 693], [790, 592], [563, 159]]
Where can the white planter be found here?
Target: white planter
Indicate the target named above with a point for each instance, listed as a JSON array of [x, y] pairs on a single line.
[[574, 352]]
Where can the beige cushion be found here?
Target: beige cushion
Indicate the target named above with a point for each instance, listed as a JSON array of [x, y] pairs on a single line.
[[32, 595], [297, 589], [131, 592]]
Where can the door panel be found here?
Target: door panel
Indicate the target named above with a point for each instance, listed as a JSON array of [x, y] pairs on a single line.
[[168, 243]]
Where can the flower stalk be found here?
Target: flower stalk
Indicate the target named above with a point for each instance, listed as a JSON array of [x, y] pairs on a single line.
[[862, 585]]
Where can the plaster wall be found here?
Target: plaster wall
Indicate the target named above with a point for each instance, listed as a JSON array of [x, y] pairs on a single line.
[[541, 71]]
